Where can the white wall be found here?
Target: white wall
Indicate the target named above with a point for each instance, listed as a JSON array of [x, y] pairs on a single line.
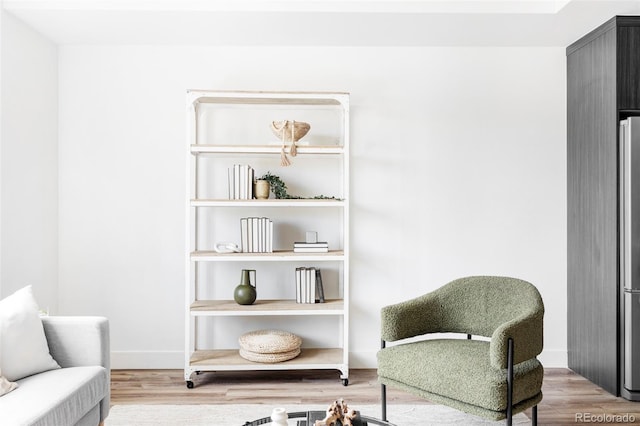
[[458, 168], [29, 163]]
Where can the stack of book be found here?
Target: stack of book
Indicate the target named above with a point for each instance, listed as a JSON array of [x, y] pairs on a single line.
[[256, 234], [319, 247], [241, 182], [309, 287]]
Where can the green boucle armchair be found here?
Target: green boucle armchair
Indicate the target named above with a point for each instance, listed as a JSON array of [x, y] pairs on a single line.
[[493, 379]]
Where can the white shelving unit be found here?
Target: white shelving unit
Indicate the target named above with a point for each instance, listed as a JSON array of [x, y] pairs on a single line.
[[231, 127]]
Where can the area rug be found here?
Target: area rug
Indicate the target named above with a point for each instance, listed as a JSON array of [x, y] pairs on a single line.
[[237, 415]]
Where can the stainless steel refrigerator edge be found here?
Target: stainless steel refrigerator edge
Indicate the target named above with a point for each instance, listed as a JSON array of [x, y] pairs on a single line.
[[630, 253]]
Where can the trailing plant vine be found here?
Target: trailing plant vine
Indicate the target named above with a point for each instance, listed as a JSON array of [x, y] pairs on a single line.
[[279, 189]]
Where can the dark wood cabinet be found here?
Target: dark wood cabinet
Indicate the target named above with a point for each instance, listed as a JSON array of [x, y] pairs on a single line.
[[628, 63], [603, 87]]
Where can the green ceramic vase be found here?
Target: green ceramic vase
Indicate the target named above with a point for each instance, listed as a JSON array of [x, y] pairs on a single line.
[[245, 293]]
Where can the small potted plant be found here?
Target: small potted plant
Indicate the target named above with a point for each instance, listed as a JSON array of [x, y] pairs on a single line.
[[276, 184]]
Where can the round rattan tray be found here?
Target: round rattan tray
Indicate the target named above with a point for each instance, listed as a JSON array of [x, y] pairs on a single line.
[[269, 346], [269, 358]]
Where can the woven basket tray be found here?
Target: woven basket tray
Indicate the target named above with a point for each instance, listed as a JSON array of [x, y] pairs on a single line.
[[269, 342]]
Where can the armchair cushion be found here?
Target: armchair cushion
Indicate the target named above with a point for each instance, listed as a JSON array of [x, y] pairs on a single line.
[[460, 370]]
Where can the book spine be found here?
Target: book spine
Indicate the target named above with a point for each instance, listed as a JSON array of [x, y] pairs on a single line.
[[244, 234], [236, 181], [243, 182], [250, 183], [249, 235], [301, 244], [299, 281], [299, 285], [310, 250], [303, 286], [312, 285], [319, 287], [255, 234]]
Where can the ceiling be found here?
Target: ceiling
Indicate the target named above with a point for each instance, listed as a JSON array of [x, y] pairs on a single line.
[[320, 22]]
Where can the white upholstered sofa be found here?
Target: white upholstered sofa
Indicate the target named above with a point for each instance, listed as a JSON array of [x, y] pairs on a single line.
[[76, 393]]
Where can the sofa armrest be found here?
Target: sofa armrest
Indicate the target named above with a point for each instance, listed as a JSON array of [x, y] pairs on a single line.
[[411, 318], [80, 341]]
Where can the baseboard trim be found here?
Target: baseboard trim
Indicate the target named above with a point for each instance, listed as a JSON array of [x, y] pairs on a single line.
[[554, 359], [147, 360]]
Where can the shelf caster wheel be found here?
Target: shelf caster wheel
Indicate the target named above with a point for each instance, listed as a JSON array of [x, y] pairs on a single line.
[[189, 384], [345, 382]]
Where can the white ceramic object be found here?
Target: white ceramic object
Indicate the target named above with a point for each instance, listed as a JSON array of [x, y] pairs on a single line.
[[279, 417]]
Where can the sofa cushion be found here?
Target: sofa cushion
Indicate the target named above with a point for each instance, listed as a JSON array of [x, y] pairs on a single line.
[[23, 346], [458, 369], [55, 397]]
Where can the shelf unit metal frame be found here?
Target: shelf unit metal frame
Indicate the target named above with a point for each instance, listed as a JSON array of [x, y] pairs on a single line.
[[197, 360]]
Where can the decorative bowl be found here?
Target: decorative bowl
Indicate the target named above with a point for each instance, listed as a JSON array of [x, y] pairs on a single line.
[[289, 130]]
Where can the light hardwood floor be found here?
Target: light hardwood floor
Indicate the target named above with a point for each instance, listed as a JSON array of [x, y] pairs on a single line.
[[566, 394]]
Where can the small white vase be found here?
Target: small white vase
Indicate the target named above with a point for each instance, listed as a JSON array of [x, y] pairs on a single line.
[[279, 417]]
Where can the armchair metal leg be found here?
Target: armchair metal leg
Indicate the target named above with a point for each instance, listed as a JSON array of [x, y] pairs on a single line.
[[383, 389], [384, 402], [510, 382], [534, 415]]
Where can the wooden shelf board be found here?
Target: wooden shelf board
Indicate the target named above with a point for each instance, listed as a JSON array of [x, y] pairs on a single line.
[[276, 256], [267, 203], [230, 359], [266, 307], [264, 149], [267, 98]]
